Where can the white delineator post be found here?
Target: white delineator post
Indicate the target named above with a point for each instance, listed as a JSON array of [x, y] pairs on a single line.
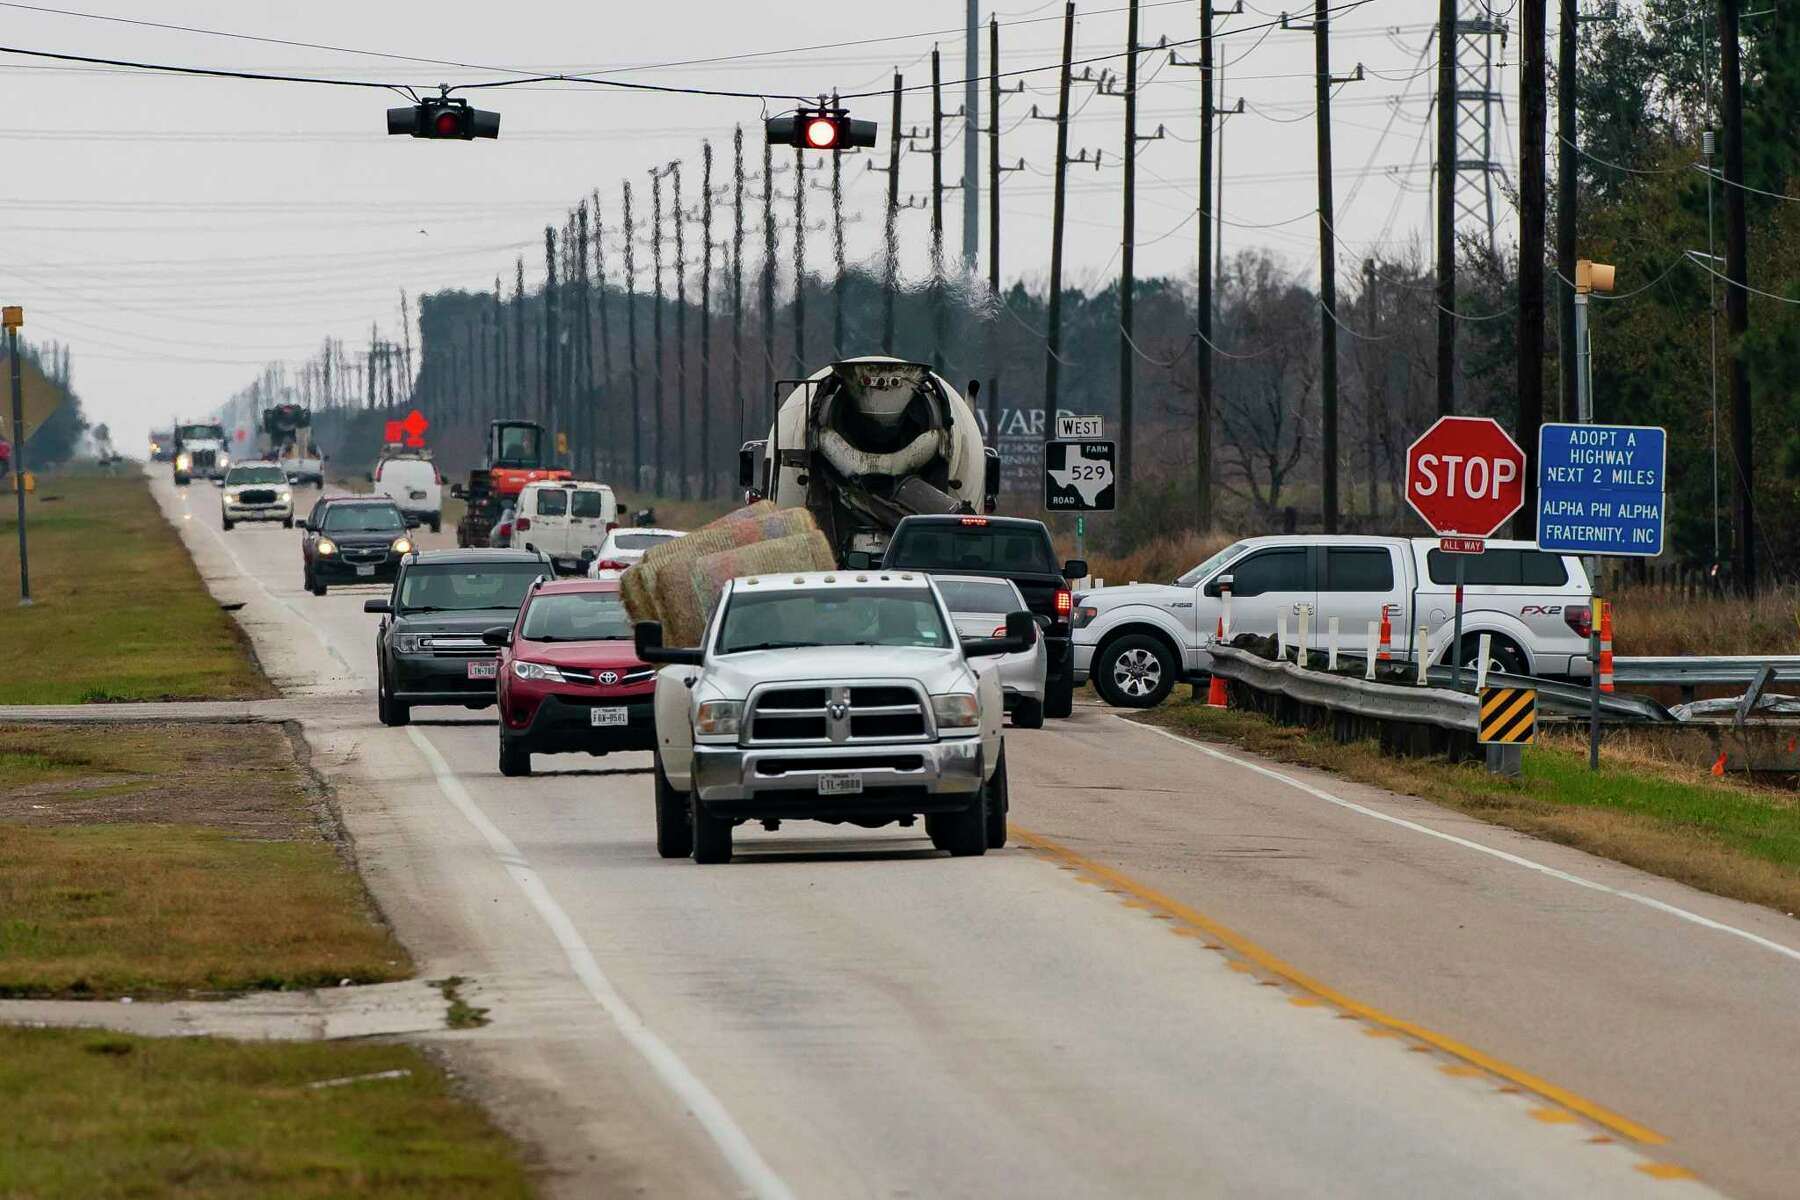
[[1331, 639], [1225, 610], [1421, 637], [1302, 639], [1281, 639], [1374, 646], [1481, 662]]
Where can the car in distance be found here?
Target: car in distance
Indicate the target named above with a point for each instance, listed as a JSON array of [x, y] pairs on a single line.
[[414, 485], [829, 696], [566, 519], [978, 605], [570, 681], [256, 492], [1002, 548], [352, 540], [199, 451], [624, 547], [500, 536], [431, 648]]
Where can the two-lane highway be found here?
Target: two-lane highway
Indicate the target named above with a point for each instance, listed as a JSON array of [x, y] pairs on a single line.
[[1195, 976]]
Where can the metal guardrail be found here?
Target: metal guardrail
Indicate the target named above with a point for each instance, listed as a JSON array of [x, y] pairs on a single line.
[[1439, 707], [1694, 670], [1571, 699]]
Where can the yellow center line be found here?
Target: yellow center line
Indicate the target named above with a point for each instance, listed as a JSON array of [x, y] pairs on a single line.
[[1599, 1114]]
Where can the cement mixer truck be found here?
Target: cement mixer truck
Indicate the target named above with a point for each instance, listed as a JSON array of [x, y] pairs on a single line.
[[865, 442]]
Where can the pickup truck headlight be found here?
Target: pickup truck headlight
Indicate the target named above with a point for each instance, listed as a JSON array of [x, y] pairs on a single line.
[[539, 672], [326, 547], [284, 496], [718, 718], [408, 643], [956, 710], [183, 461], [402, 545]]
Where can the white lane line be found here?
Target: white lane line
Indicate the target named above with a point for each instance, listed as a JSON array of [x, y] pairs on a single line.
[[1504, 856], [751, 1170]]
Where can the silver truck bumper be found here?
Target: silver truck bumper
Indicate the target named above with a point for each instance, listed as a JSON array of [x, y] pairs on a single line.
[[904, 777]]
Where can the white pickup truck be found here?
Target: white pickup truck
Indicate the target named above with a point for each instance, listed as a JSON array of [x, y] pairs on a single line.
[[830, 696], [1137, 642]]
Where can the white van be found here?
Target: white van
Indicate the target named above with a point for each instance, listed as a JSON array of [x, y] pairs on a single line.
[[566, 520], [415, 487]]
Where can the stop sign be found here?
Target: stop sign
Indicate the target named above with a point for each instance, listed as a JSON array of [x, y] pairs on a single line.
[[1465, 475]]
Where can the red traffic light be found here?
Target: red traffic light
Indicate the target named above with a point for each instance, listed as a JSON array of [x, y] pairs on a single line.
[[448, 124], [819, 129], [444, 117], [821, 133]]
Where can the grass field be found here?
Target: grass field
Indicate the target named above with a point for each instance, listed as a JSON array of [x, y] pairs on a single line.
[[120, 613], [1716, 834], [100, 1115], [151, 860]]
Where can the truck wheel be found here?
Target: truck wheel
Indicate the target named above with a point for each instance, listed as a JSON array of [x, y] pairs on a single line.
[[1029, 715], [1503, 655], [964, 834], [997, 803], [318, 586], [674, 835], [513, 760], [1136, 671], [712, 835], [227, 522], [437, 523], [390, 711], [287, 522], [1059, 695]]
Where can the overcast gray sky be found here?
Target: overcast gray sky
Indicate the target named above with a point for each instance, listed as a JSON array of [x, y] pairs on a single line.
[[178, 233]]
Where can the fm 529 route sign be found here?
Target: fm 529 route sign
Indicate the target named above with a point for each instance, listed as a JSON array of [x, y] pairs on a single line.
[[1465, 475]]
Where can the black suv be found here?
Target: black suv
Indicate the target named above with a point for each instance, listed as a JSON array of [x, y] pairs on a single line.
[[352, 540], [1006, 548], [429, 649]]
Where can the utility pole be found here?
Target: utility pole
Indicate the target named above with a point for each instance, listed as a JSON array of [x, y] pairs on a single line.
[[631, 346], [656, 336], [840, 280], [1053, 340], [938, 332], [584, 344], [768, 279], [681, 340], [1446, 207], [1203, 308], [524, 396], [602, 375], [737, 277], [800, 263], [995, 300], [706, 249], [1128, 253], [891, 228], [1566, 200], [1531, 253], [971, 180], [1737, 300], [552, 415]]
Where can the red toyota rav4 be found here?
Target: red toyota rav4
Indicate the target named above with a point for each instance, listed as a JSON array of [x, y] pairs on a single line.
[[570, 681]]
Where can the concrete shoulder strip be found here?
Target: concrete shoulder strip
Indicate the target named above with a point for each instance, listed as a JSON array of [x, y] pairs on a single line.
[[752, 1171], [1505, 856]]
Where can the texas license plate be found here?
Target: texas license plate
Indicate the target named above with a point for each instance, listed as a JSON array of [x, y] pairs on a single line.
[[365, 568], [483, 669], [608, 716], [840, 785]]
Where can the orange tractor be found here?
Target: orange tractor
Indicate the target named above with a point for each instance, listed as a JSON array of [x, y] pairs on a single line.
[[516, 454]]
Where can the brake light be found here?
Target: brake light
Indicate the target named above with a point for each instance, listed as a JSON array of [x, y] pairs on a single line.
[[610, 564], [1065, 602], [1580, 618], [522, 524], [611, 525], [974, 520]]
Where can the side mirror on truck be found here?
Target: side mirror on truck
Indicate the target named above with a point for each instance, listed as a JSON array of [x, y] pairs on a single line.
[[990, 488], [647, 640], [1218, 584], [1075, 568], [749, 456], [1021, 634]]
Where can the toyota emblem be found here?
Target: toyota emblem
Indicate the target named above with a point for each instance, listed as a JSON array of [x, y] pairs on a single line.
[[609, 677], [838, 709]]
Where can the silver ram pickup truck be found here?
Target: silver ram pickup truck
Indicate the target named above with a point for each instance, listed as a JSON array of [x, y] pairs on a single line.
[[844, 697]]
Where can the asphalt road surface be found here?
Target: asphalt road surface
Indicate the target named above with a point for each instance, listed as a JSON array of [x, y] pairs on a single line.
[[1192, 974]]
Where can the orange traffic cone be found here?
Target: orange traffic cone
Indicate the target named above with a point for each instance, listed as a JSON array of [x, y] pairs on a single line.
[[1215, 692], [1386, 653], [1718, 767]]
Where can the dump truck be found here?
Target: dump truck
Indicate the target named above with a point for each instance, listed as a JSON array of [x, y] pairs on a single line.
[[867, 441], [516, 456]]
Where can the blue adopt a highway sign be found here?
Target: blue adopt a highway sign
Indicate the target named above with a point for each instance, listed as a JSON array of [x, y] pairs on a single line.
[[1602, 489]]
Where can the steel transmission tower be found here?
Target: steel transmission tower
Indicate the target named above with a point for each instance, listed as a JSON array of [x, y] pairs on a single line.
[[1476, 100]]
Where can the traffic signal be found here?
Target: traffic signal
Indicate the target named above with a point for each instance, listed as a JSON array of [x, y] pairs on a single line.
[[444, 117], [820, 129]]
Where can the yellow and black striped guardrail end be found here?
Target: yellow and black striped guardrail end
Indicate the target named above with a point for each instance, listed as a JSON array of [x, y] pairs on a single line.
[[1508, 716]]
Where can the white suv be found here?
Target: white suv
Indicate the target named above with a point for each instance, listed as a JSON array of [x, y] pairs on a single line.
[[1137, 642], [830, 696], [256, 491]]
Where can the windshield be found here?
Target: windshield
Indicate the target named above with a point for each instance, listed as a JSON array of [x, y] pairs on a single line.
[[192, 433], [832, 617], [518, 447], [576, 617], [458, 587], [640, 541], [552, 502], [588, 504], [363, 518], [984, 596], [1210, 565], [256, 475], [1005, 549]]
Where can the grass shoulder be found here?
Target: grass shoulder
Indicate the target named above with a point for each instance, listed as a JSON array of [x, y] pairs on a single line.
[[107, 1115], [1719, 835], [120, 612], [185, 859]]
